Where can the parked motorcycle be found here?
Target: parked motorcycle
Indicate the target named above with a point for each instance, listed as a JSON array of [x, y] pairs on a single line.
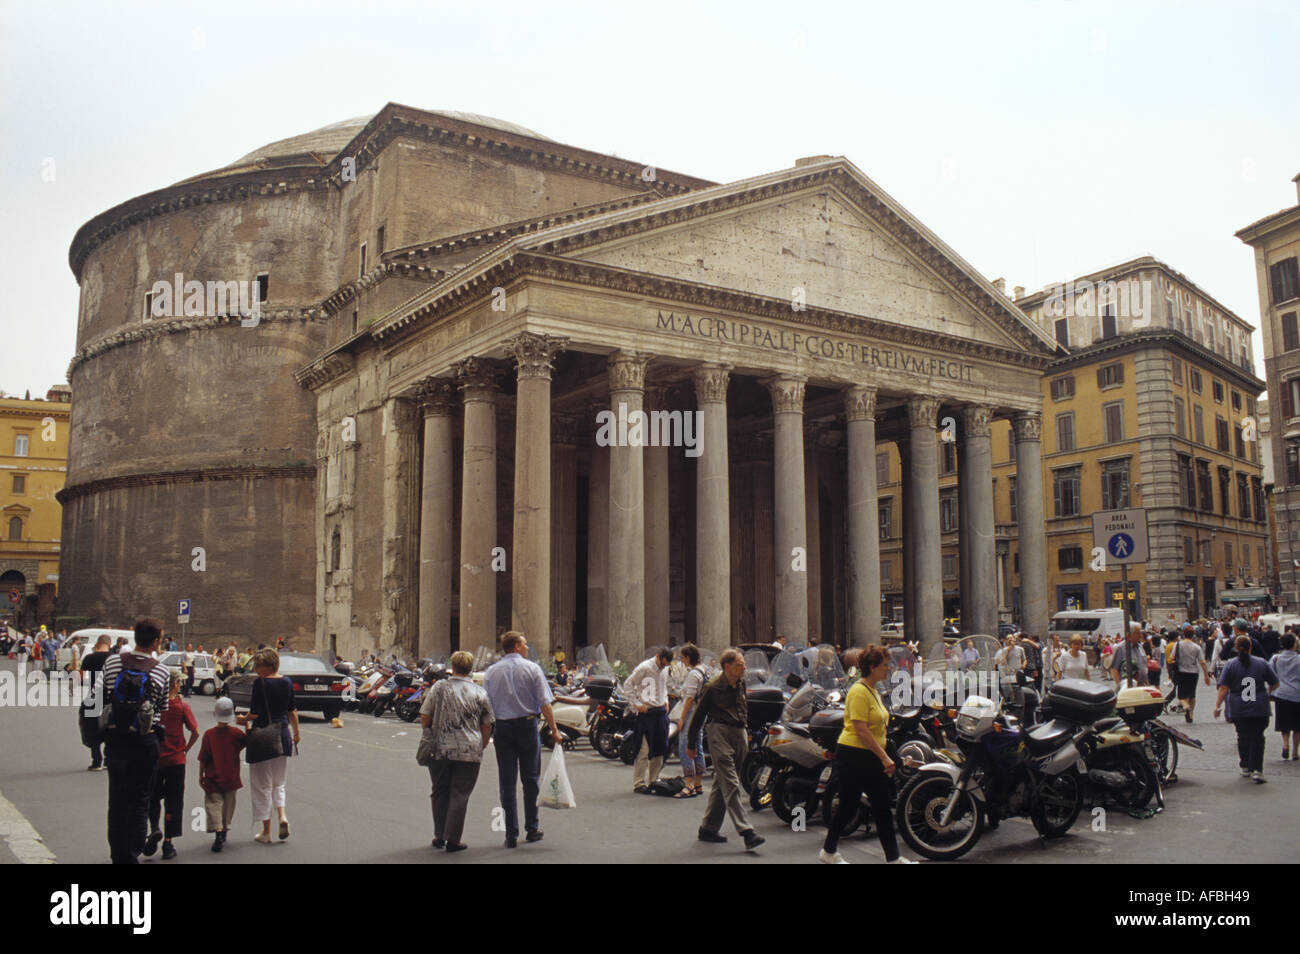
[[1121, 766], [1006, 770]]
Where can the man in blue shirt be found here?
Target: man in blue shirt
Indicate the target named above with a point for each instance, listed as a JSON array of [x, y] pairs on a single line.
[[50, 653], [518, 692]]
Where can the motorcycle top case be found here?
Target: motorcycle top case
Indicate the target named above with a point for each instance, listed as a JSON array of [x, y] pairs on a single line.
[[826, 726], [1079, 700], [764, 704], [600, 688], [1138, 704]]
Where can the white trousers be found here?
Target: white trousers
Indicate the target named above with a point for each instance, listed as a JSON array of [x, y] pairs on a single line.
[[266, 786]]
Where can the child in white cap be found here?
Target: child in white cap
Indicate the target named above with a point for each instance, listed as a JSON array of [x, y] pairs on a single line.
[[219, 773]]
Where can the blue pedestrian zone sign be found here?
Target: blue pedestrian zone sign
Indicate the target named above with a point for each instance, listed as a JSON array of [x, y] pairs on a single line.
[[1122, 534]]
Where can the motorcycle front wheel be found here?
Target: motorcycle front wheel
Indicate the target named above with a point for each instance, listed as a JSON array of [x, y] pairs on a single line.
[[1141, 777], [1166, 749], [784, 800], [1057, 804], [920, 807]]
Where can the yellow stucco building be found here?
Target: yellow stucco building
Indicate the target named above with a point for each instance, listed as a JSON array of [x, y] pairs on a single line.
[[33, 467]]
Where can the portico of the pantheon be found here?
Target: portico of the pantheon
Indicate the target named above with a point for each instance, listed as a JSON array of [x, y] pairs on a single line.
[[805, 314]]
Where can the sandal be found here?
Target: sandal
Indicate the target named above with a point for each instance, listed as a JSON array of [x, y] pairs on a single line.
[[685, 793], [284, 829]]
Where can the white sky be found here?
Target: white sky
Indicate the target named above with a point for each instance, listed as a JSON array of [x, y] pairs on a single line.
[[1041, 140]]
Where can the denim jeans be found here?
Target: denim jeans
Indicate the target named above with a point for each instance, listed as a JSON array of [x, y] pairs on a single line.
[[519, 756]]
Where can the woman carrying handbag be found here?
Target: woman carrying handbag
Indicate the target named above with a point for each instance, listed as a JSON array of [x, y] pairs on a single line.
[[271, 713]]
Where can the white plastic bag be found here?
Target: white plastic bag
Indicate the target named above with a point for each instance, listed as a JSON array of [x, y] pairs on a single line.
[[556, 792]]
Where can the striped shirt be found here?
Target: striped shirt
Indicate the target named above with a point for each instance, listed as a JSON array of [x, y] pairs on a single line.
[[159, 679]]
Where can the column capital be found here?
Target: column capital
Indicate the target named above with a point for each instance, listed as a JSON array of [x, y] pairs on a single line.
[[437, 396], [1028, 426], [976, 421], [533, 353], [787, 393], [860, 403], [923, 411], [711, 383], [627, 370], [477, 379]]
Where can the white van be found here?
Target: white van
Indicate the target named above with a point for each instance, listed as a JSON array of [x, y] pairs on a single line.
[[1279, 621], [1092, 625]]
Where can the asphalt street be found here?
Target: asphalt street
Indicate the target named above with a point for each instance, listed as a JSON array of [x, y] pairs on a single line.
[[355, 794]]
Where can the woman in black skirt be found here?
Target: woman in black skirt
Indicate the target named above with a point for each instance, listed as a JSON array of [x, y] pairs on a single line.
[[1286, 699]]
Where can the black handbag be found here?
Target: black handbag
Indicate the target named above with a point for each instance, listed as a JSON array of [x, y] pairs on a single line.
[[267, 742]]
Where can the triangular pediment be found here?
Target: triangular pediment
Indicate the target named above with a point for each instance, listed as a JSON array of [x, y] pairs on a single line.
[[824, 232]]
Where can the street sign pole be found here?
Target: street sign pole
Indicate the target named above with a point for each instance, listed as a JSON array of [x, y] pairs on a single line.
[[1128, 646]]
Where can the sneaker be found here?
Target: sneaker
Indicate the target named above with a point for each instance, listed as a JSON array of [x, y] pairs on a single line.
[[1245, 772], [169, 851], [284, 829], [753, 839], [831, 858], [1258, 778], [900, 860], [262, 838], [151, 843], [458, 846], [95, 768], [533, 836], [714, 837]]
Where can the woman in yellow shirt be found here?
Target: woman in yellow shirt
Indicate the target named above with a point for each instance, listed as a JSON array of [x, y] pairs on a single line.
[[864, 765]]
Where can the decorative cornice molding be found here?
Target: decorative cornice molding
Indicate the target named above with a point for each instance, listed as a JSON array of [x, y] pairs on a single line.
[[403, 322], [976, 421], [711, 382], [296, 470], [860, 403], [1028, 426], [171, 326], [534, 354], [336, 299], [923, 411], [787, 393], [627, 371], [324, 370]]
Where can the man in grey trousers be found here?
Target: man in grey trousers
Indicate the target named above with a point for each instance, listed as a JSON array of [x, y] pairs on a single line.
[[724, 706], [458, 719]]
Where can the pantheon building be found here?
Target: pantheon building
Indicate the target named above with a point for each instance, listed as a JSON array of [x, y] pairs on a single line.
[[406, 451]]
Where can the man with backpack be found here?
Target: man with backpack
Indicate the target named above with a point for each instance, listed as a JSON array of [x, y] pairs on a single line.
[[135, 689]]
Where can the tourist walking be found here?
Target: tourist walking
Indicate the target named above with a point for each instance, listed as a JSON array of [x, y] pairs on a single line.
[[692, 686], [1033, 671], [1242, 684], [189, 669], [457, 719], [647, 689], [135, 688], [1073, 663], [92, 673], [219, 774], [518, 693], [1188, 663], [1128, 660], [272, 704], [1286, 698], [169, 779], [864, 765], [723, 705]]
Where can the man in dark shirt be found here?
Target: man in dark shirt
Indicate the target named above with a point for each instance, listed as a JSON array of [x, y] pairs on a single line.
[[724, 706], [132, 758], [92, 670]]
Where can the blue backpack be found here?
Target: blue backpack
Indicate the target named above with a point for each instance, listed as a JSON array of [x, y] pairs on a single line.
[[128, 710]]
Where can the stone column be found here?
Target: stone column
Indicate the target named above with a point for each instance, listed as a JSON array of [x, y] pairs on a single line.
[[401, 484], [764, 569], [909, 538], [656, 530], [924, 501], [791, 508], [478, 505], [598, 546], [1004, 601], [1032, 529], [966, 597], [813, 528], [436, 517], [864, 516], [713, 511], [977, 522], [564, 530], [626, 514], [530, 598]]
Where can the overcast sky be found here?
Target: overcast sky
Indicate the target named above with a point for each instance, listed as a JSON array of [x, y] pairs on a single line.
[[1041, 140]]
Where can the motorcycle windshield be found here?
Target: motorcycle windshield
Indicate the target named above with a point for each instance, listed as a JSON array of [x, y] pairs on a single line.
[[779, 670], [592, 661], [757, 669], [821, 666]]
